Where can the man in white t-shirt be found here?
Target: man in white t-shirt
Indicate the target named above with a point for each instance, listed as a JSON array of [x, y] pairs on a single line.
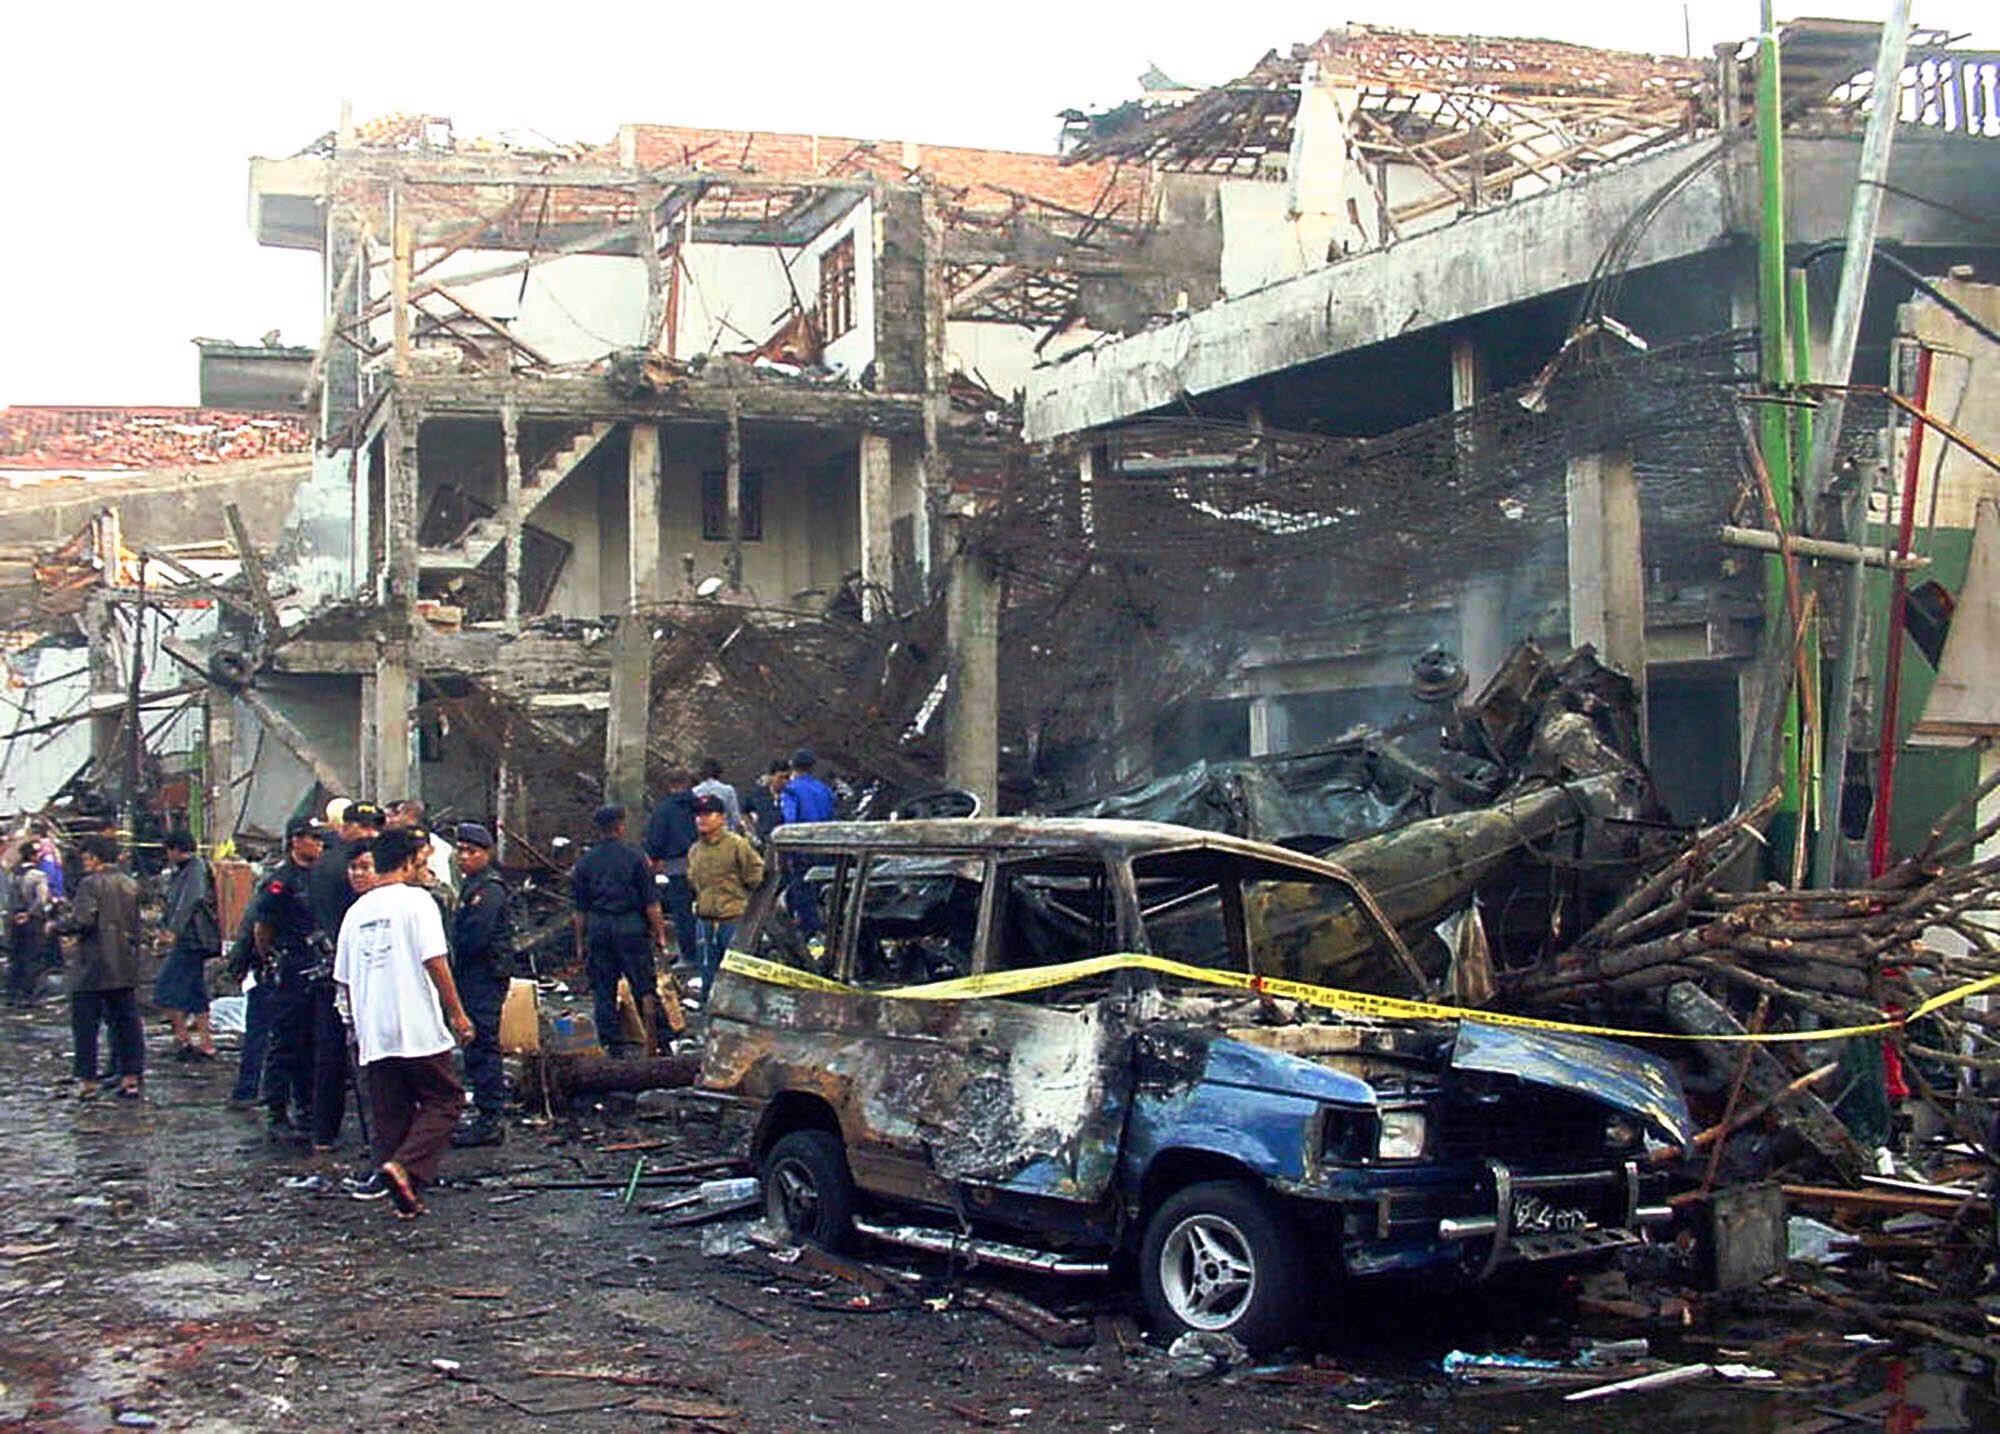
[[392, 968]]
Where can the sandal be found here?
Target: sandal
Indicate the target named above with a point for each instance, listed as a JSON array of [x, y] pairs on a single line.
[[130, 1092]]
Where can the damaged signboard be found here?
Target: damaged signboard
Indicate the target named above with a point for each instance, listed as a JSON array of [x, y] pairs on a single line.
[[1040, 1041]]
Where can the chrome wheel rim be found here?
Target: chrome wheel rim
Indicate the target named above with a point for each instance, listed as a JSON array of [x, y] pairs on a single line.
[[1207, 1273]]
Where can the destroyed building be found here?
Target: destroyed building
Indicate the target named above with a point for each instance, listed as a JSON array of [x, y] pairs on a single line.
[[688, 372], [1484, 307]]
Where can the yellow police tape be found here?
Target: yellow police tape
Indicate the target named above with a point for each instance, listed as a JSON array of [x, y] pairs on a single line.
[[1361, 1003]]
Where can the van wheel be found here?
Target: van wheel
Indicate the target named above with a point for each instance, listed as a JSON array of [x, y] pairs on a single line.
[[1224, 1257], [808, 1192]]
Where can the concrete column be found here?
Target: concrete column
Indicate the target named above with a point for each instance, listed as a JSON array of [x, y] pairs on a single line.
[[401, 517], [876, 462], [364, 737], [219, 805], [972, 713], [1468, 372], [632, 650], [1482, 630], [1270, 726], [395, 686], [1607, 574]]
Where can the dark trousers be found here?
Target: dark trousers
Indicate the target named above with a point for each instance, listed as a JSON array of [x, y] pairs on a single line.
[[618, 946], [679, 901], [120, 1011], [24, 961], [483, 992], [256, 1043], [308, 1051], [416, 1101]]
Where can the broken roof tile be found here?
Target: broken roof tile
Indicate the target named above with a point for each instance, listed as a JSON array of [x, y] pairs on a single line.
[[103, 439]]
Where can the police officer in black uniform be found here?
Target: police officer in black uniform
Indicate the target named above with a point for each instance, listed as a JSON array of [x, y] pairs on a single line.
[[283, 930], [482, 962], [618, 927]]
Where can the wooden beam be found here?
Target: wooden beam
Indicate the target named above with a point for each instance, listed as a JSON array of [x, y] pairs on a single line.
[[498, 329], [195, 580], [253, 572], [399, 279], [275, 722]]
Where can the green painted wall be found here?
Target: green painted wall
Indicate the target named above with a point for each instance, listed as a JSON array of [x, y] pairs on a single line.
[[1928, 780]]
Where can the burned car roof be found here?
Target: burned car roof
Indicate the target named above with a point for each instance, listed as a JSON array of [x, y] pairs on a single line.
[[1029, 834]]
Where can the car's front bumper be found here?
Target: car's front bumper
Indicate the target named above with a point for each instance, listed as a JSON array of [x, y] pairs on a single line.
[[1480, 1219]]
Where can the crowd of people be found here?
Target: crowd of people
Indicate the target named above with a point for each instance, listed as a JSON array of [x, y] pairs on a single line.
[[372, 949]]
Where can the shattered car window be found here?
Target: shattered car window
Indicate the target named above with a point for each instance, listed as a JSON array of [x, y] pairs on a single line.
[[1053, 911], [775, 933], [1183, 916], [918, 919]]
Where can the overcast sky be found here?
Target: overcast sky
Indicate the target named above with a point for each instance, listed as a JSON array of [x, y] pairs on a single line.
[[123, 216]]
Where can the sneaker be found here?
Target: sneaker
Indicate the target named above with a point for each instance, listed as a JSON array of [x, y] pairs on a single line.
[[369, 1186]]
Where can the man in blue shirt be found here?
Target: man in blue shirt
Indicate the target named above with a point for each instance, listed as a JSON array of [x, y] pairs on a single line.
[[670, 832], [805, 799]]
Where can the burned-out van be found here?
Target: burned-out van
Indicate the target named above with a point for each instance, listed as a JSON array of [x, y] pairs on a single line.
[[1047, 1044]]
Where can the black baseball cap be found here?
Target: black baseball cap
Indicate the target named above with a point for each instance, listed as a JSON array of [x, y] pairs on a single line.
[[305, 826], [709, 804], [365, 814]]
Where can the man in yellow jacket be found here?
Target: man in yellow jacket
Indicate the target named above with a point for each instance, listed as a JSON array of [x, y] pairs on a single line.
[[724, 869]]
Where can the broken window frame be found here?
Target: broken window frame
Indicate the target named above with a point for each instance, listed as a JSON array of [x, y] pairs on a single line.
[[759, 931], [871, 864], [835, 304]]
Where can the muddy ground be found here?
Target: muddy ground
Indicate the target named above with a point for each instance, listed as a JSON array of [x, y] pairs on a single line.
[[156, 1272]]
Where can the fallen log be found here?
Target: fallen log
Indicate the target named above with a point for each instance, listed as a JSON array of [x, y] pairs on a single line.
[[593, 1073]]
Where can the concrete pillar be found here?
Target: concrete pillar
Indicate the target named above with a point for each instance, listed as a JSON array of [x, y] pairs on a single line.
[[395, 687], [1482, 629], [218, 801], [1468, 372], [1482, 601], [1607, 574], [364, 737], [1270, 726], [632, 649], [972, 712], [401, 518], [876, 462]]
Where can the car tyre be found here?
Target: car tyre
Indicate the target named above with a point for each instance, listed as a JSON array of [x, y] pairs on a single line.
[[1224, 1257], [808, 1191]]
